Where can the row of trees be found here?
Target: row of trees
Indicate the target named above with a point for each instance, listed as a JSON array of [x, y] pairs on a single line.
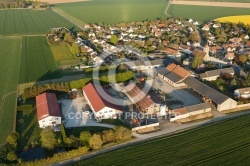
[[95, 141], [83, 144], [14, 4], [36, 90]]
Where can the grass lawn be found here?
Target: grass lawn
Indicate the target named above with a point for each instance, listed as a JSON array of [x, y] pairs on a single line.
[[205, 13], [224, 143], [61, 53], [37, 61], [28, 21], [28, 128], [114, 11], [10, 53]]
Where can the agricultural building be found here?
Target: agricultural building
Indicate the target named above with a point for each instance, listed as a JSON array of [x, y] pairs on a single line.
[[221, 101], [48, 111], [101, 108]]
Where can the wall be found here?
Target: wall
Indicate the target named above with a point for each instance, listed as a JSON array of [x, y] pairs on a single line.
[[228, 104], [48, 121], [143, 127], [243, 105]]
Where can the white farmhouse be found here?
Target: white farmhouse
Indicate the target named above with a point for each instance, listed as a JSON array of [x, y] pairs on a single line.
[[242, 93], [95, 96], [48, 111]]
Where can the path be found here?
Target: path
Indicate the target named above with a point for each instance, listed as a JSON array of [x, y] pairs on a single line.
[[146, 137], [168, 5], [218, 4]]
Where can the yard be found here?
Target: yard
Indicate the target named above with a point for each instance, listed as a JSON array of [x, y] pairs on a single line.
[[61, 53], [203, 13], [113, 11], [37, 62], [223, 143], [27, 21], [10, 53]]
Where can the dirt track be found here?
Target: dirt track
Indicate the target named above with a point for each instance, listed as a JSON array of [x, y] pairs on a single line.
[[61, 1], [220, 4]]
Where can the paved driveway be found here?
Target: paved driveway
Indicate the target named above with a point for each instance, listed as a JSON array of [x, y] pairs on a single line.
[[75, 117], [185, 95]]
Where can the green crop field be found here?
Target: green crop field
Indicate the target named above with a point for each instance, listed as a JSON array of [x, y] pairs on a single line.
[[37, 61], [113, 11], [224, 143], [62, 54], [27, 21], [205, 13], [10, 53], [245, 1]]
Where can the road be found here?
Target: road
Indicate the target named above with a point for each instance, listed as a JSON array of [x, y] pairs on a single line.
[[169, 129]]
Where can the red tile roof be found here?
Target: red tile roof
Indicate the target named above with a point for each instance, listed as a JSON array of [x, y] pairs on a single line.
[[171, 67], [47, 105], [140, 98], [97, 101]]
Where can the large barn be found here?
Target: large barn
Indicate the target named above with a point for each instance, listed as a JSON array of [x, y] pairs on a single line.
[[221, 101], [48, 111], [101, 108]]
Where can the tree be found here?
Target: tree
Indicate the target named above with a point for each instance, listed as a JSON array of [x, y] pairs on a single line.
[[11, 156], [196, 62], [122, 133], [108, 136], [95, 141], [74, 49], [69, 38], [242, 59], [114, 39], [12, 138], [85, 137], [48, 139]]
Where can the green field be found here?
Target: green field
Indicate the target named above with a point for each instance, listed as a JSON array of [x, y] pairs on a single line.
[[224, 143], [10, 53], [27, 21], [114, 11], [37, 61], [62, 54], [205, 13], [245, 1]]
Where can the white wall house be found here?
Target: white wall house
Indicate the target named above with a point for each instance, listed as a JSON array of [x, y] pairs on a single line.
[[48, 111], [101, 108], [242, 93], [189, 111]]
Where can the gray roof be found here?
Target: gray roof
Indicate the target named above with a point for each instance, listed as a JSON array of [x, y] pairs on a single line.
[[217, 72], [173, 77], [162, 70], [205, 90], [197, 107], [146, 63]]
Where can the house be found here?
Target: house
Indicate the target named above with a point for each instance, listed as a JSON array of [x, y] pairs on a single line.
[[143, 65], [221, 101], [141, 99], [206, 27], [187, 112], [174, 75], [212, 75], [100, 102], [48, 111], [235, 40], [230, 55], [242, 93], [247, 45]]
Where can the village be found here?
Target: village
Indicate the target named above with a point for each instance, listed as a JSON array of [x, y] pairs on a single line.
[[183, 72]]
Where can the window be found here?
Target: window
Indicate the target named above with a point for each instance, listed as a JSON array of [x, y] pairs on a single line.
[[110, 110], [56, 118], [43, 121], [100, 113], [103, 116], [105, 111]]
